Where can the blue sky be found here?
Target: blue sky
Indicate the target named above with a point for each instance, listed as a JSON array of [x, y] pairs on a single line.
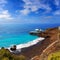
[[29, 11]]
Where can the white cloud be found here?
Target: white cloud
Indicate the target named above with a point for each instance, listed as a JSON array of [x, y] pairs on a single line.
[[25, 11], [3, 1], [2, 4], [5, 15], [57, 12], [57, 2], [48, 17], [33, 6]]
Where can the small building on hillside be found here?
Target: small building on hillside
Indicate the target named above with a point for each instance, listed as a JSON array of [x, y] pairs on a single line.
[[36, 31]]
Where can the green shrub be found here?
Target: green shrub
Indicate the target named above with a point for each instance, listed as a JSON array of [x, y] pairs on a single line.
[[6, 55], [5, 58]]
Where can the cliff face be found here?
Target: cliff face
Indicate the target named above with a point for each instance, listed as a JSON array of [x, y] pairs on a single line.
[[54, 47], [51, 35], [50, 44]]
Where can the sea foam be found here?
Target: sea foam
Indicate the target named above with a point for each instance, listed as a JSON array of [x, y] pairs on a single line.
[[29, 43]]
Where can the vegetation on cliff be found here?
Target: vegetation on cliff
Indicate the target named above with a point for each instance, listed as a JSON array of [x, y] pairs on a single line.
[[54, 56], [50, 44], [6, 55]]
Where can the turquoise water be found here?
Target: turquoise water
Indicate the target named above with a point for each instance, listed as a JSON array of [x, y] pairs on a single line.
[[14, 34], [9, 40]]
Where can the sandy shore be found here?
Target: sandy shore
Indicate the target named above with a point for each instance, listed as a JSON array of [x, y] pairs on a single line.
[[26, 45], [31, 43]]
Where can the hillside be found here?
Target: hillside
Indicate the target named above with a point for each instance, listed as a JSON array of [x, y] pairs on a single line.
[[51, 35], [6, 55], [39, 51], [52, 45]]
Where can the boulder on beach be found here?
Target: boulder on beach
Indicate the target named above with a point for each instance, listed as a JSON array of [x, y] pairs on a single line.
[[13, 48]]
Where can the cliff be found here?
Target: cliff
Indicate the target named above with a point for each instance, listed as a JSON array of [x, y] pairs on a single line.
[[51, 35], [52, 44]]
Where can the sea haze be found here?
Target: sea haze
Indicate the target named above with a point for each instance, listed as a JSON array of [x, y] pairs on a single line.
[[23, 28]]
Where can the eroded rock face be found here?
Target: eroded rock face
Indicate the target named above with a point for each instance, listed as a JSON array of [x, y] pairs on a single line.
[[48, 32], [53, 48], [51, 43]]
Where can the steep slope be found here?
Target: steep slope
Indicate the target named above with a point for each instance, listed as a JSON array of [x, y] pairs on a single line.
[[51, 35], [53, 46]]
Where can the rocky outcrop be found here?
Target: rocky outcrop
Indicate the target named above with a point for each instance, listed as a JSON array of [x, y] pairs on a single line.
[[52, 46], [51, 35]]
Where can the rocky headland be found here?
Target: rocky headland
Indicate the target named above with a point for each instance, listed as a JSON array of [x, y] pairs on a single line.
[[50, 45], [35, 52]]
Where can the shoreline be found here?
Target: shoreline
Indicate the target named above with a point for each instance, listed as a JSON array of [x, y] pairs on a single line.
[[28, 44], [34, 49]]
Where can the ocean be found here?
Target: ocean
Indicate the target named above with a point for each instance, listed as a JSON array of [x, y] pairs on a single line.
[[15, 34]]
